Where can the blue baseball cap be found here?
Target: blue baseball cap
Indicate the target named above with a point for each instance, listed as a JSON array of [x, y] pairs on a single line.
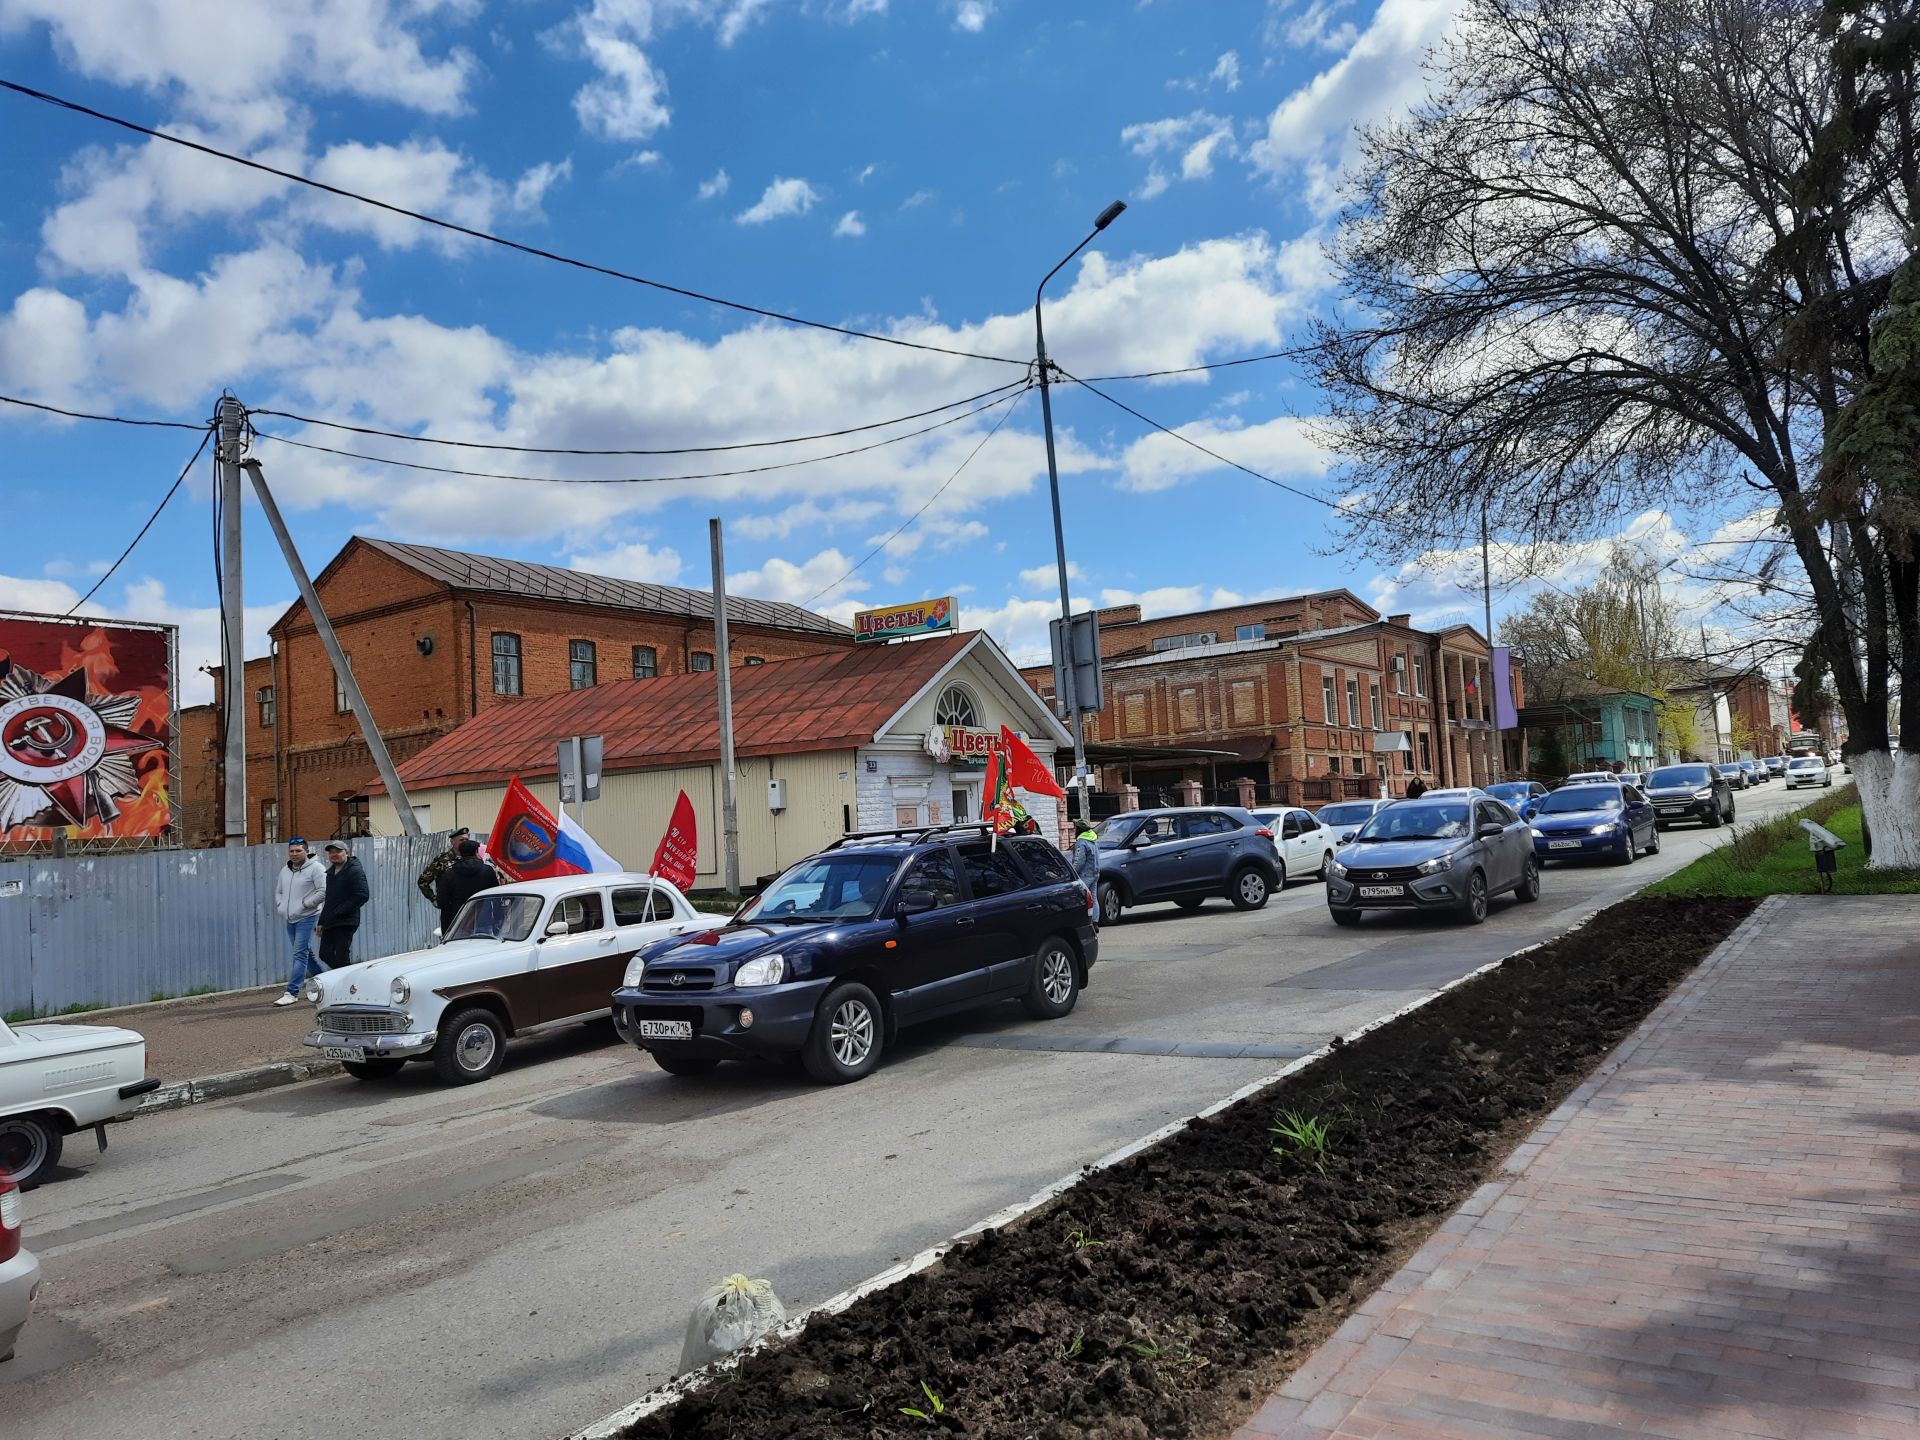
[[296, 840]]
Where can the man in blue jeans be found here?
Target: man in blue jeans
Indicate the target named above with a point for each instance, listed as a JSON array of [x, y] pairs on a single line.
[[298, 892]]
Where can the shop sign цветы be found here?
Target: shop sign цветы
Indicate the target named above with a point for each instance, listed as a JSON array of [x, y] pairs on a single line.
[[922, 617], [961, 745]]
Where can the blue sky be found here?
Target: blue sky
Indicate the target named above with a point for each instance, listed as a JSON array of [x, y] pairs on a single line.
[[910, 167]]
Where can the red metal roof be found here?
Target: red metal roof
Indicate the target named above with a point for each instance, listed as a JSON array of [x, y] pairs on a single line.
[[835, 701]]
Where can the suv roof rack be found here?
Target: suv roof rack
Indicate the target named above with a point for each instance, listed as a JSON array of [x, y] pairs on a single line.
[[911, 834]]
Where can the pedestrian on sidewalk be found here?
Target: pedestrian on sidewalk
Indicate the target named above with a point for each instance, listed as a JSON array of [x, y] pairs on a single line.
[[468, 876], [1086, 855], [1416, 787], [298, 891], [429, 880], [340, 912]]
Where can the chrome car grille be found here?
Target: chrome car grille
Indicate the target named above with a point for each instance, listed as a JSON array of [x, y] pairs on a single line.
[[363, 1022]]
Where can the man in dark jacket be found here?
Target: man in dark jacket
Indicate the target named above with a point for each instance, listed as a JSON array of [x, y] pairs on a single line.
[[466, 878], [340, 912], [429, 880]]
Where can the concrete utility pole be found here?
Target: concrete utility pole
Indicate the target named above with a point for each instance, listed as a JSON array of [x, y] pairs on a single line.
[[1486, 593], [729, 807], [356, 702], [233, 640]]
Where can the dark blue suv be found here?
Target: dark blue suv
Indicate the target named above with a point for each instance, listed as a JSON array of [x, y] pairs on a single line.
[[875, 932]]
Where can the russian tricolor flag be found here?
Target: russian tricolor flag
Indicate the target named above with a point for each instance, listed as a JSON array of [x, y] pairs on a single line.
[[528, 843]]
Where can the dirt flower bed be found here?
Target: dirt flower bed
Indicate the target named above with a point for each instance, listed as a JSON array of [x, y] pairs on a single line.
[[1141, 1302]]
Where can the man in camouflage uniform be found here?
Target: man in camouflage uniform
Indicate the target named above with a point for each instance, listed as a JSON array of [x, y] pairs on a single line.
[[440, 864]]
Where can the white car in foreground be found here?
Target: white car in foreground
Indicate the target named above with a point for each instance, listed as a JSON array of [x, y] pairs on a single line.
[[1808, 770], [520, 959], [56, 1079]]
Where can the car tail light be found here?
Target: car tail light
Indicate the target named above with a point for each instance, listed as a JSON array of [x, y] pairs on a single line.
[[9, 1217], [1264, 833], [1089, 894]]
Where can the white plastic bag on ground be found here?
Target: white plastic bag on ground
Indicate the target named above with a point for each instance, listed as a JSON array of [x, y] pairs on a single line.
[[731, 1315]]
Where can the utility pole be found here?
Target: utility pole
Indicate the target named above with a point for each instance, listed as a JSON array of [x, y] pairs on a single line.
[[1486, 595], [356, 702], [233, 640], [1080, 778], [729, 807]]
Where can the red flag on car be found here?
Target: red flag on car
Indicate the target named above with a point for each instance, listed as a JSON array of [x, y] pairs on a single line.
[[676, 861], [996, 796], [528, 843], [1027, 770]]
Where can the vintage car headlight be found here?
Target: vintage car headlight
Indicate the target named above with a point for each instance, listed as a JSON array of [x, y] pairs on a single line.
[[1336, 869], [310, 992], [399, 992], [636, 967], [764, 970]]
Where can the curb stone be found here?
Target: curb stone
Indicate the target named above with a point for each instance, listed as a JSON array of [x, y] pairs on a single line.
[[182, 1093], [609, 1427]]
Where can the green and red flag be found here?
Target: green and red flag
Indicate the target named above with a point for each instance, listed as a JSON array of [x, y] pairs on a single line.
[[997, 805]]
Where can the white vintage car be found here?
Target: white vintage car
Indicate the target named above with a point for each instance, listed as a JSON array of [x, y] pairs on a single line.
[[56, 1079], [519, 959]]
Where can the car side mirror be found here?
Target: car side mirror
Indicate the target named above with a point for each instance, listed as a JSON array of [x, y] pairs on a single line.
[[915, 902], [1490, 831], [558, 927]]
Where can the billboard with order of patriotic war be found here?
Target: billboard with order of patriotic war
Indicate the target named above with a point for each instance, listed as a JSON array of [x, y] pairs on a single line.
[[87, 716]]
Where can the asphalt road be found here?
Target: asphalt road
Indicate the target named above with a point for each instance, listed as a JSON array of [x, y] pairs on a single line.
[[518, 1258]]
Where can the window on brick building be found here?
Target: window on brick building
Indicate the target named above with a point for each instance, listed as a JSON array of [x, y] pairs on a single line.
[[1426, 754], [1419, 676], [1331, 711], [1250, 632], [1353, 703], [701, 660], [756, 660], [269, 822], [1399, 674], [646, 662], [340, 705], [1378, 718], [506, 664], [263, 697], [1406, 755], [1359, 765], [583, 668], [355, 817]]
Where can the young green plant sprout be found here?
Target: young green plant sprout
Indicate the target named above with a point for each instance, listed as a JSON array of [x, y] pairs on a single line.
[[930, 1416], [1083, 1240], [1072, 1351], [1305, 1138]]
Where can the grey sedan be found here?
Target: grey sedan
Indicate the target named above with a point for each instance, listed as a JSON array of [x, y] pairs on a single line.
[[1424, 854]]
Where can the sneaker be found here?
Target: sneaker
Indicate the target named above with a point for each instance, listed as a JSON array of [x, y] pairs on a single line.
[[286, 999]]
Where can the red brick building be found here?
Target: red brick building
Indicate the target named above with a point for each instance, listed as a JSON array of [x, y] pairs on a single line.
[[438, 636], [1310, 698]]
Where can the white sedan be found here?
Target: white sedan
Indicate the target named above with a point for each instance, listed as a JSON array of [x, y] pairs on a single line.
[[1305, 845], [56, 1079], [1808, 770]]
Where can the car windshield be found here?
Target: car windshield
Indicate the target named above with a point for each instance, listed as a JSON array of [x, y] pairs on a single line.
[[1673, 777], [838, 886], [1511, 790], [505, 916], [1580, 797], [1417, 822], [1346, 814], [1803, 764]]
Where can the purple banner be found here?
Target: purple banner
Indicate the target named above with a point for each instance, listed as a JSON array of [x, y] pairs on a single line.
[[1505, 714]]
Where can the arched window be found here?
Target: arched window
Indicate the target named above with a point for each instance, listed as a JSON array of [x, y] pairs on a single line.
[[956, 707]]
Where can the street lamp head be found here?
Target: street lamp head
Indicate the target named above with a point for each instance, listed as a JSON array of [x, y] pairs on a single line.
[[1109, 215]]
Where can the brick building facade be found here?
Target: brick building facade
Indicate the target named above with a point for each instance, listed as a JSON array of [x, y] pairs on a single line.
[[438, 636], [1311, 698]]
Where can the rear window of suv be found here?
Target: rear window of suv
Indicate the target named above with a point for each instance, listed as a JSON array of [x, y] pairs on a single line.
[[1041, 858], [991, 871]]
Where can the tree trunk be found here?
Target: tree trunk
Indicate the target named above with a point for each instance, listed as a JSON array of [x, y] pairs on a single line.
[[1889, 784]]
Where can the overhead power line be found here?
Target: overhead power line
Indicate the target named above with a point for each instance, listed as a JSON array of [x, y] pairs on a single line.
[[206, 434], [676, 450], [104, 419], [475, 234], [944, 484], [1196, 369], [639, 479]]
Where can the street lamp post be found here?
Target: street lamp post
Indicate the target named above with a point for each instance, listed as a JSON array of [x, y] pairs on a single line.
[[1104, 219]]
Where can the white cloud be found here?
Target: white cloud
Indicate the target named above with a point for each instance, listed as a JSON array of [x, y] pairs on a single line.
[[865, 174], [1173, 599], [629, 99], [1155, 185], [805, 514], [919, 198], [1226, 71], [530, 190], [1278, 447], [797, 584], [368, 48], [781, 198], [851, 225], [1196, 137], [715, 186], [1041, 575], [634, 561], [972, 15], [1314, 26], [1311, 133], [422, 175], [642, 160]]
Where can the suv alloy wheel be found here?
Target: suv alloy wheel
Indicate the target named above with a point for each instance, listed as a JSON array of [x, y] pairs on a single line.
[[1110, 903], [1248, 889], [844, 1044], [1056, 981], [1474, 909]]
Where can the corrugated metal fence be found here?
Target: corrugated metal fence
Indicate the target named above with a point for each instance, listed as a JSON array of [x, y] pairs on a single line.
[[117, 929]]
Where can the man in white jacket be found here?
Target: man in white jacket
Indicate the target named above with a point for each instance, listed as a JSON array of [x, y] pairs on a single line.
[[297, 893]]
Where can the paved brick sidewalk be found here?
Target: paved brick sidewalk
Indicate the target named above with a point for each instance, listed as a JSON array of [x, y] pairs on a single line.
[[1717, 1235]]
